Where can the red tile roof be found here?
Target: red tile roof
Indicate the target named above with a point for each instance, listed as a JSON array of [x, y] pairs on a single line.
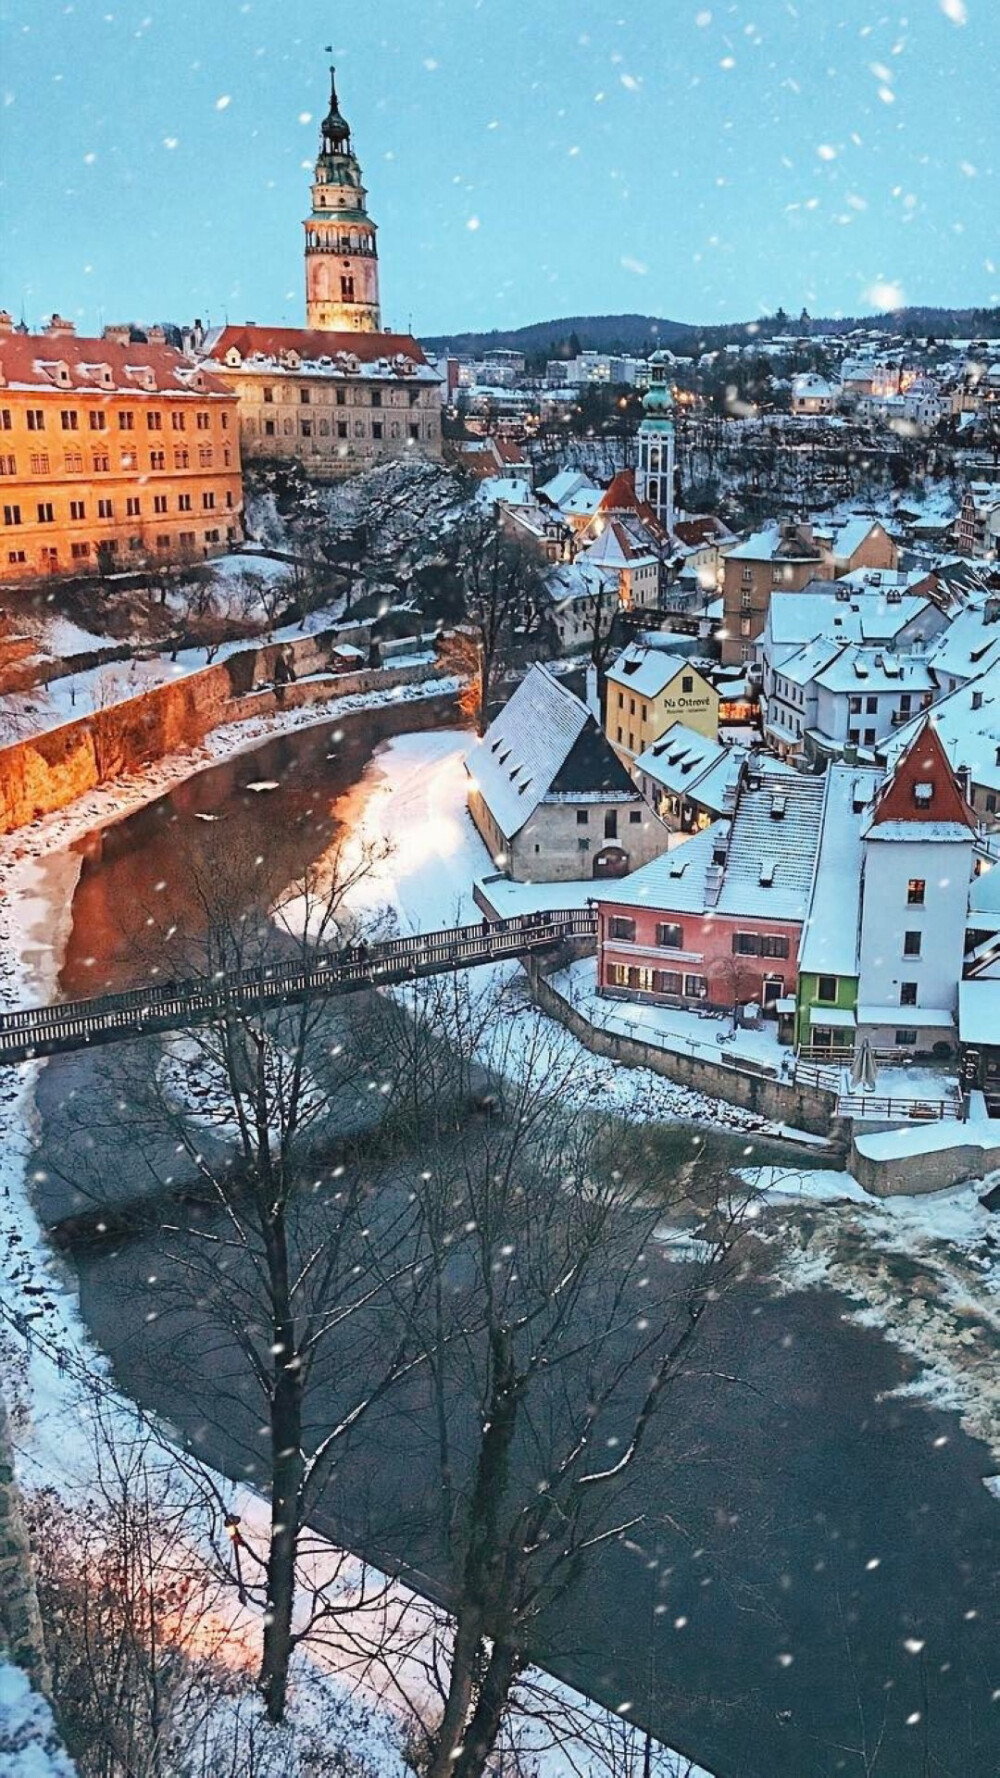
[[620, 496], [313, 343], [30, 360], [924, 762]]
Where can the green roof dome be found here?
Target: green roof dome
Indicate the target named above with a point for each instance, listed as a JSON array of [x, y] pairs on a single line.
[[658, 400]]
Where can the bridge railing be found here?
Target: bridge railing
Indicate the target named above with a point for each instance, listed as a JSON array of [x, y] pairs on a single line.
[[174, 1003]]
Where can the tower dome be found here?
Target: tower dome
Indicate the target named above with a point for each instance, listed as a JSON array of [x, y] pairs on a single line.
[[658, 401]]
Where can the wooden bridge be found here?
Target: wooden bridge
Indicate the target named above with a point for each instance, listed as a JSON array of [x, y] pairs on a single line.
[[173, 1006]]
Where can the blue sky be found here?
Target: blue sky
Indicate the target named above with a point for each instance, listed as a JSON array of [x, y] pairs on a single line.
[[525, 159]]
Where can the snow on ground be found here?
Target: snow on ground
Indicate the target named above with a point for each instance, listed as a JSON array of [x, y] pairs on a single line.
[[688, 1033], [67, 1381], [923, 1270], [29, 1745]]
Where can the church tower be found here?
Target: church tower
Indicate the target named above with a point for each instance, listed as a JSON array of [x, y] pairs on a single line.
[[654, 477], [341, 254]]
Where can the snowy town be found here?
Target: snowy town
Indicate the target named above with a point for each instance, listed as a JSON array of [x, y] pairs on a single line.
[[499, 1003]]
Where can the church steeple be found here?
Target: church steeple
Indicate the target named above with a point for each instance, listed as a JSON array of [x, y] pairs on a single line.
[[341, 250]]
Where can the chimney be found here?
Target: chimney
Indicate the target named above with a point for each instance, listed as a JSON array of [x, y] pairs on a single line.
[[963, 776], [118, 335], [6, 322], [59, 324], [156, 336], [713, 884]]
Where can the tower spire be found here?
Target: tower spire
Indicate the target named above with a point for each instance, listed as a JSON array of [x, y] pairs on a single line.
[[341, 251]]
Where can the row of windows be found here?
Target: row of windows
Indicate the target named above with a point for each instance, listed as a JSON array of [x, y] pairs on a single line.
[[657, 981], [342, 396], [670, 936], [13, 515], [84, 552], [40, 462], [69, 419], [322, 429]]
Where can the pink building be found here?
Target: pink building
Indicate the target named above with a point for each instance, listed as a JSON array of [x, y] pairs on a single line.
[[719, 918]]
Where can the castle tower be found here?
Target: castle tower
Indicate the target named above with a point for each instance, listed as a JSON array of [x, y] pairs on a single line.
[[341, 253], [654, 476]]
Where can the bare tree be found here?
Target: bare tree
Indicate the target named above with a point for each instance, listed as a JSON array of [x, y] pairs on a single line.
[[502, 584], [553, 1327]]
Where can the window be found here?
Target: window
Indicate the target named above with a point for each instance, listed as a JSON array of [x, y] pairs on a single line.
[[340, 397], [212, 536], [73, 462], [8, 466], [227, 456], [923, 795], [16, 555], [377, 429], [414, 432], [39, 463], [70, 419], [129, 460], [126, 420], [208, 501], [670, 935], [582, 818], [305, 396], [12, 515], [746, 944], [202, 421], [907, 993], [376, 398], [154, 421], [695, 987], [182, 458], [132, 507], [178, 422], [853, 736], [583, 845], [347, 289], [611, 824], [159, 502], [871, 706], [745, 626], [341, 428], [746, 599], [306, 428], [915, 892], [79, 551], [268, 395], [667, 981], [270, 428], [854, 706], [36, 419], [102, 462], [105, 509], [906, 1039], [183, 503], [748, 575], [991, 802], [205, 456], [157, 459], [620, 927], [224, 422], [634, 817], [45, 513], [77, 509], [6, 419], [869, 737], [687, 683], [826, 988], [773, 944], [98, 419], [911, 944], [163, 542]]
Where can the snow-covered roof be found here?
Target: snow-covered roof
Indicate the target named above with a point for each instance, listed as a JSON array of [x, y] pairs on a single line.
[[613, 548], [564, 485], [583, 504], [874, 670], [772, 542], [683, 761], [830, 935], [770, 855], [968, 647], [544, 744], [967, 723], [512, 490], [868, 616], [648, 671]]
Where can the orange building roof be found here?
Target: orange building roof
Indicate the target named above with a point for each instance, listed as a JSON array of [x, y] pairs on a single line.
[[34, 361]]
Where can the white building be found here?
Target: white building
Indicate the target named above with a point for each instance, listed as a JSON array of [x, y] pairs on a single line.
[[918, 863], [654, 476]]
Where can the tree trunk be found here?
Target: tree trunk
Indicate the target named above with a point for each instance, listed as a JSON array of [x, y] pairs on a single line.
[[494, 1696], [287, 1473], [461, 1683]]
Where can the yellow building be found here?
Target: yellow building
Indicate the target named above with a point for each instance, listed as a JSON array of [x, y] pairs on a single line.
[[114, 454], [647, 690]]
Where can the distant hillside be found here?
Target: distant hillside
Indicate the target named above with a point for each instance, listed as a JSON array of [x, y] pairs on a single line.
[[643, 333]]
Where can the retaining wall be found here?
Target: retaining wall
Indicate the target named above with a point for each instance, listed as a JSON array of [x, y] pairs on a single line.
[[781, 1101], [914, 1173]]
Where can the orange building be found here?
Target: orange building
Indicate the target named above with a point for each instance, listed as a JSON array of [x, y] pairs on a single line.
[[113, 454]]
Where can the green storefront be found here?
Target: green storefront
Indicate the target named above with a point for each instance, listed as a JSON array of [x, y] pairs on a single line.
[[826, 1011]]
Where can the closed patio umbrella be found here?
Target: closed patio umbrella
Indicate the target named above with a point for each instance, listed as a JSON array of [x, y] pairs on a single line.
[[863, 1070]]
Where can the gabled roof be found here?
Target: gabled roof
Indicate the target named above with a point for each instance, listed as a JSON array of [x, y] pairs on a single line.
[[922, 794], [851, 535], [67, 362], [312, 345], [544, 743], [620, 497], [686, 763], [649, 671], [830, 936], [614, 548]]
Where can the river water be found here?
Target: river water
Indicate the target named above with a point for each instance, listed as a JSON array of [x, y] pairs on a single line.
[[816, 1580]]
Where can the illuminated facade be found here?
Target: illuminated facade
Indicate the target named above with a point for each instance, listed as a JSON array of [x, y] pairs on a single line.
[[341, 249], [114, 454]]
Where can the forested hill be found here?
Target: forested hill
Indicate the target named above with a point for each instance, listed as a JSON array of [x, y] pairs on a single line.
[[643, 333]]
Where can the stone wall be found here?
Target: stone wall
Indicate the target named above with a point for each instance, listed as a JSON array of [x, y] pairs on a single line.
[[20, 1621], [806, 1108], [47, 771], [913, 1172]]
